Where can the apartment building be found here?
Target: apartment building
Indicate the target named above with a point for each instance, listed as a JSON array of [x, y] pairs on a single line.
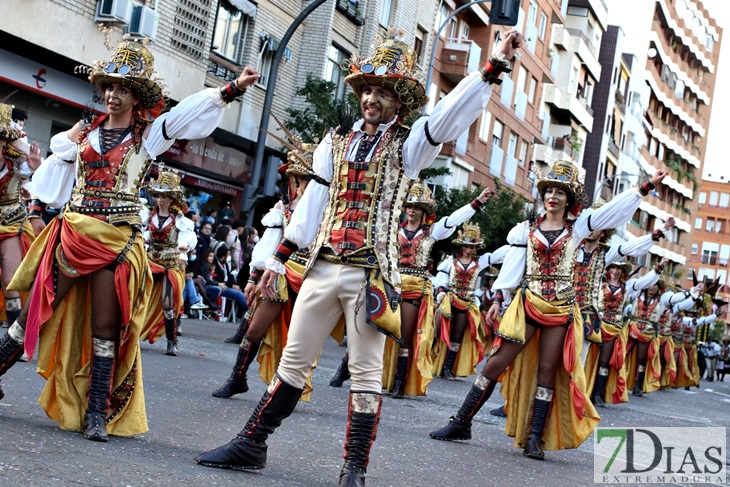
[[677, 42], [710, 248], [501, 143]]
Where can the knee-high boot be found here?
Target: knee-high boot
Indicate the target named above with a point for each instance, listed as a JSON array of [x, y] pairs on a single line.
[[363, 416], [11, 349], [342, 374], [597, 398], [401, 375], [639, 384], [237, 337], [540, 413], [247, 451], [459, 427], [171, 334], [100, 384], [446, 372], [237, 383]]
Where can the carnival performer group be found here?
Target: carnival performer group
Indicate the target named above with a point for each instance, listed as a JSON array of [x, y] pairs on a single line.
[[561, 319]]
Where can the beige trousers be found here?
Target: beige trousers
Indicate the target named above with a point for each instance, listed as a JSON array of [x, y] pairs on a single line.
[[328, 291]]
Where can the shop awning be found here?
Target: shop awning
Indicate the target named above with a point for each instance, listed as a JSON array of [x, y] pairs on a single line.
[[248, 8]]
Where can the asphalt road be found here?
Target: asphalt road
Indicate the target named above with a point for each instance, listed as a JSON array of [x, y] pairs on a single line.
[[306, 450]]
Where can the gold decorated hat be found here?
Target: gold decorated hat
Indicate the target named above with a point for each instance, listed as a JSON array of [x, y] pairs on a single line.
[[565, 175], [420, 195], [470, 235], [300, 155], [7, 132], [490, 271], [166, 184], [392, 65], [133, 65]]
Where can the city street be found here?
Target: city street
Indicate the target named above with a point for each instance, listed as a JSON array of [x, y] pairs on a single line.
[[185, 419]]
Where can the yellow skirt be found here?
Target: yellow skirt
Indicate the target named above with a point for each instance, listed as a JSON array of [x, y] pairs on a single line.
[[471, 351], [615, 390], [572, 417], [669, 368], [653, 370], [154, 326], [420, 362], [65, 346]]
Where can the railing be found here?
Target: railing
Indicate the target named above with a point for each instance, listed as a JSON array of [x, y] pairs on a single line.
[[589, 43], [351, 10]]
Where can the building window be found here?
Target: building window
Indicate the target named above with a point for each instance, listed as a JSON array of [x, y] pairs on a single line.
[[714, 196], [533, 90], [229, 24], [724, 200], [449, 31], [419, 42], [484, 127], [497, 133], [695, 249], [386, 13], [543, 26], [532, 13], [523, 152], [521, 78], [334, 72], [718, 226], [703, 197], [698, 223], [512, 145], [269, 46], [710, 225]]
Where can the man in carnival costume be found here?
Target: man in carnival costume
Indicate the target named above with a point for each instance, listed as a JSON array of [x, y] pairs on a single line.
[[95, 248], [350, 216]]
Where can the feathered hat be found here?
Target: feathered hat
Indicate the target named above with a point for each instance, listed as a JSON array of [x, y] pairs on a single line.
[[300, 155], [133, 65], [393, 65], [470, 235]]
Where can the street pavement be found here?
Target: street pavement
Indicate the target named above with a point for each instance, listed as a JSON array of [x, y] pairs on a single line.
[[184, 419]]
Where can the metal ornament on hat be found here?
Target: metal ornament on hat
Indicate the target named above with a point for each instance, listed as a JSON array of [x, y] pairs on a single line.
[[470, 235], [300, 155], [166, 184], [7, 132], [393, 65], [131, 64], [567, 176], [420, 195]]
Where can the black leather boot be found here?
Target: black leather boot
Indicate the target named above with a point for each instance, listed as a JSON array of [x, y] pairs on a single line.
[[540, 412], [363, 416], [499, 412], [639, 384], [11, 349], [597, 398], [237, 383], [448, 364], [100, 384], [401, 373], [459, 427], [171, 334], [247, 451], [342, 374], [237, 337]]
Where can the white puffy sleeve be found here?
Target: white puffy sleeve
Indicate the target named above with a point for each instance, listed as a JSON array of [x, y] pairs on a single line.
[[265, 247], [193, 118], [611, 215], [633, 248], [446, 226], [186, 238], [637, 284], [494, 258], [443, 273], [451, 116], [515, 262]]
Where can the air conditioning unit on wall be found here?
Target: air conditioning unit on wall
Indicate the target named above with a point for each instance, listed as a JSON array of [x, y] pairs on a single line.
[[144, 22], [115, 11]]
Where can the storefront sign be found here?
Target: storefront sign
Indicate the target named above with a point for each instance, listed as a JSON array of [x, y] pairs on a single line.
[[211, 186], [212, 156]]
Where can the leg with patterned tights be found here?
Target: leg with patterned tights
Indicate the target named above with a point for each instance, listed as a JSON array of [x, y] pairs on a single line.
[[604, 360], [459, 323], [265, 312], [642, 352], [459, 427], [170, 315], [409, 325]]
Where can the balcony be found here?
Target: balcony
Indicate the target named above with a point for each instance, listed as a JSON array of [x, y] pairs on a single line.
[[459, 57], [575, 41], [613, 148], [556, 149], [570, 103], [351, 10], [620, 101]]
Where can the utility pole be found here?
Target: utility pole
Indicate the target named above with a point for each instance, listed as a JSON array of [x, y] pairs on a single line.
[[249, 199]]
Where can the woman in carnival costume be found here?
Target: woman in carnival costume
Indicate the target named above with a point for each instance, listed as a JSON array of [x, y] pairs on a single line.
[[539, 336], [89, 348], [458, 352], [169, 237], [407, 366], [263, 331]]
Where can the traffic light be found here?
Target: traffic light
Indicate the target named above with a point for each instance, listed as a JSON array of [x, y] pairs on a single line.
[[504, 12]]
